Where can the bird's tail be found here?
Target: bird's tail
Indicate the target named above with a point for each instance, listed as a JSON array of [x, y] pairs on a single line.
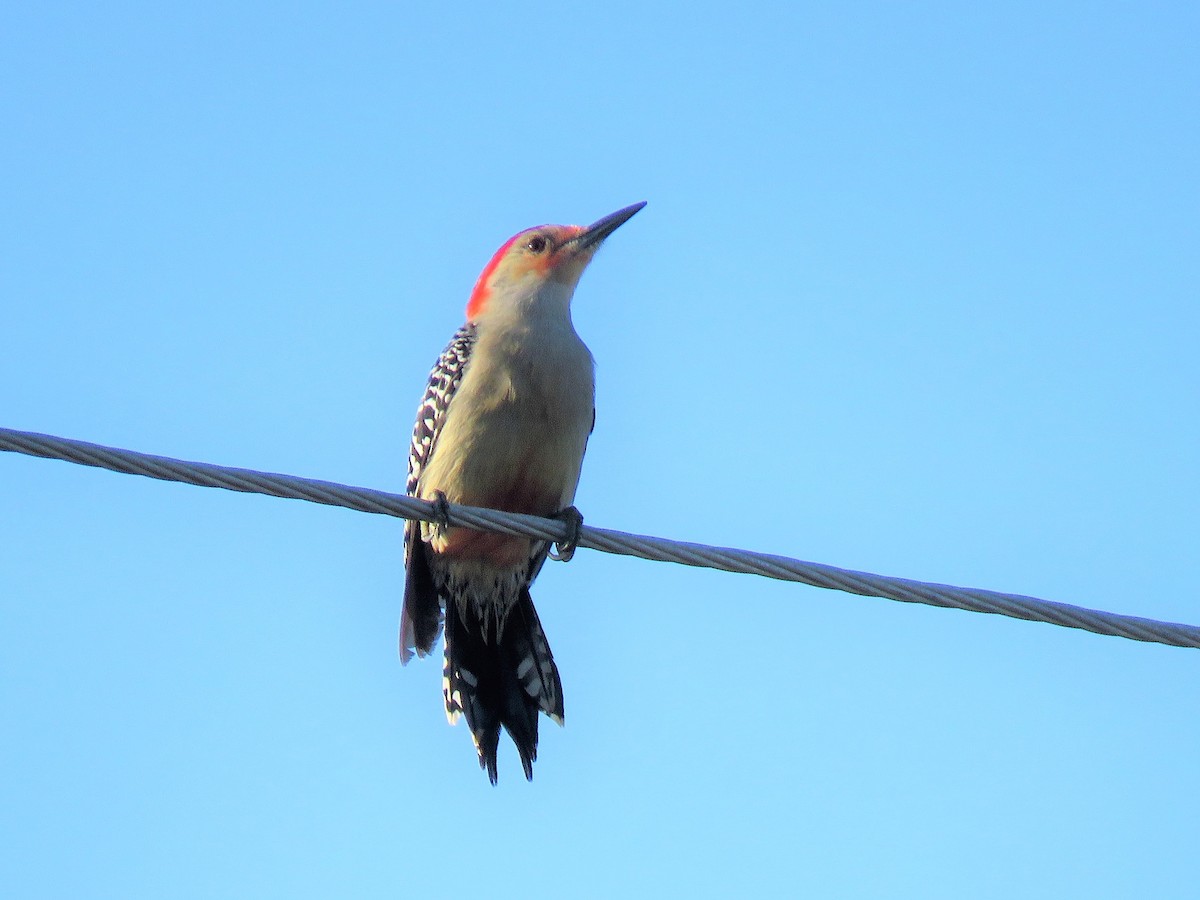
[[500, 676]]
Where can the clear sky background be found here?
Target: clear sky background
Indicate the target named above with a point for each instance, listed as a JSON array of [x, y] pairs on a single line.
[[915, 293]]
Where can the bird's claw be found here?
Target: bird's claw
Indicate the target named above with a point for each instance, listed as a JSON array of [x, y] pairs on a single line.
[[441, 512], [565, 549]]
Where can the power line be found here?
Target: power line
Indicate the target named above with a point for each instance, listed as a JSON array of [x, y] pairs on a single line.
[[603, 539]]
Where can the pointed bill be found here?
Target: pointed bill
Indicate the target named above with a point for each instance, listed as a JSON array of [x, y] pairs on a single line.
[[602, 228]]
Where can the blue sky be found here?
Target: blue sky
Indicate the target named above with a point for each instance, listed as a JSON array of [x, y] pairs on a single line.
[[915, 293]]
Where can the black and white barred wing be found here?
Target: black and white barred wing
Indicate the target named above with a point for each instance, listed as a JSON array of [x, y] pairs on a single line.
[[421, 621], [444, 379]]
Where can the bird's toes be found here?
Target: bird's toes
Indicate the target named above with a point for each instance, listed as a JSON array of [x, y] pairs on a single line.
[[565, 549]]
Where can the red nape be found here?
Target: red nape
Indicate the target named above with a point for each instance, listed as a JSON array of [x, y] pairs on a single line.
[[481, 291]]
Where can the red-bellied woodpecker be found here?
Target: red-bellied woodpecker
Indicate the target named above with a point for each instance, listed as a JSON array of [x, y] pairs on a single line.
[[504, 424]]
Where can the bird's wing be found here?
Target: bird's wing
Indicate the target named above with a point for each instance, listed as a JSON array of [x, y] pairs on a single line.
[[422, 617], [444, 379]]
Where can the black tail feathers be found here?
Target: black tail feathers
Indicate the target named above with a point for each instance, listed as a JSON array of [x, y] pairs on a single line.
[[500, 681], [421, 620]]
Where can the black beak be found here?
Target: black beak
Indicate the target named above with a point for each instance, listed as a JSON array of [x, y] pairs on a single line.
[[599, 230]]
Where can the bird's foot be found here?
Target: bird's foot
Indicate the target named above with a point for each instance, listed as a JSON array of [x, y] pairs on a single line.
[[441, 512], [565, 549]]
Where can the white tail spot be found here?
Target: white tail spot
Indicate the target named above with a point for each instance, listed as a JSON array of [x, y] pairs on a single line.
[[524, 667]]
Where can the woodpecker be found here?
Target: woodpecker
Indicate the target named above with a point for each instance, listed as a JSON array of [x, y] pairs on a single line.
[[504, 423]]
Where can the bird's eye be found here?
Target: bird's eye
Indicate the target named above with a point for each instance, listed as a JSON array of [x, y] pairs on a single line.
[[536, 244]]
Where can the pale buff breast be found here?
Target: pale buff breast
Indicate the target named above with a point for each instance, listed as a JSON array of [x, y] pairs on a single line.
[[514, 438]]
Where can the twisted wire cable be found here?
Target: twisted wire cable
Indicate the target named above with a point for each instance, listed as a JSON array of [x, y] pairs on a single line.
[[603, 539]]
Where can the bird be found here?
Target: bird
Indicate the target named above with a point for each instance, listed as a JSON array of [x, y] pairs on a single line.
[[504, 423]]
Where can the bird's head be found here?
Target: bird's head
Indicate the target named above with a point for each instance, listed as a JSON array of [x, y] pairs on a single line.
[[551, 256]]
